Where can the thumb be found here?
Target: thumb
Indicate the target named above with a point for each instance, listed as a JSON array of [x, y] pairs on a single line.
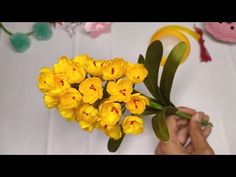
[[199, 142]]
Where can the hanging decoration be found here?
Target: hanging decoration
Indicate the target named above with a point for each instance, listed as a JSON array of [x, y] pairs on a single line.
[[20, 41]]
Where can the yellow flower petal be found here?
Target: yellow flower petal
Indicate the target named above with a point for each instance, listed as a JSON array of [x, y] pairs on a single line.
[[73, 71], [94, 67], [50, 101], [68, 114], [86, 116], [87, 113], [45, 79], [136, 73], [114, 69], [132, 125], [81, 59], [70, 99], [120, 91], [86, 126], [111, 88], [113, 131], [109, 112], [52, 84], [137, 103], [91, 89]]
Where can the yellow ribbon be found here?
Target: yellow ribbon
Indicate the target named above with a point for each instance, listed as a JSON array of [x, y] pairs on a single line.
[[177, 32]]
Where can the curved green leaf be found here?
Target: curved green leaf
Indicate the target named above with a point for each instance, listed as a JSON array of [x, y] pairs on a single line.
[[170, 67], [113, 145], [152, 63], [159, 123]]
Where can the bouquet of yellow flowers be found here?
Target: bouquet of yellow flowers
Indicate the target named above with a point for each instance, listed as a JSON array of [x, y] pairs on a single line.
[[95, 93]]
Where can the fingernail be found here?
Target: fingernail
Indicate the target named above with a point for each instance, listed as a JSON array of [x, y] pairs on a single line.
[[197, 117]]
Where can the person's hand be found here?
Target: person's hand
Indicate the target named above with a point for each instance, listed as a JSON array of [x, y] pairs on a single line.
[[181, 130]]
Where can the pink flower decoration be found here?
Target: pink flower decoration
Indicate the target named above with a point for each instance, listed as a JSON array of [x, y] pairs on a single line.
[[96, 28]]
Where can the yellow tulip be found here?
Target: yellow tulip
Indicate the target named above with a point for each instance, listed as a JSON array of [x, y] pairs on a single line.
[[73, 71], [137, 103], [50, 101], [136, 73], [114, 69], [113, 131], [45, 79], [68, 114], [60, 85], [91, 89], [94, 67], [87, 126], [81, 59], [86, 116], [120, 90], [52, 84], [87, 113], [70, 99], [109, 112], [132, 125]]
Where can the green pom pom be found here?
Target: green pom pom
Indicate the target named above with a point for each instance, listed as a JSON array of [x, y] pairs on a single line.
[[42, 31], [20, 42]]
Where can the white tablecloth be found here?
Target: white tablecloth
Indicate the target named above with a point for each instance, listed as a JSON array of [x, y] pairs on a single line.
[[27, 127]]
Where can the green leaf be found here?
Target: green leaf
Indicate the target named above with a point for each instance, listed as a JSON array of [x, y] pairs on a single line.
[[159, 126], [159, 123], [149, 111], [152, 63], [113, 145], [141, 59], [170, 67], [153, 60]]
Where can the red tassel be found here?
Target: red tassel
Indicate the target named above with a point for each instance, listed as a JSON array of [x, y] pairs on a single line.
[[204, 55]]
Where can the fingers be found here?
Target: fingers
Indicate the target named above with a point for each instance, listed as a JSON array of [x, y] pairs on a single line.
[[186, 110], [196, 132], [199, 142], [174, 126], [171, 123], [182, 122], [206, 129], [182, 135], [170, 148], [178, 129], [183, 131], [206, 132]]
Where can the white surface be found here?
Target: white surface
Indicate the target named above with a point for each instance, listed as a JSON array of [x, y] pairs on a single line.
[[27, 127]]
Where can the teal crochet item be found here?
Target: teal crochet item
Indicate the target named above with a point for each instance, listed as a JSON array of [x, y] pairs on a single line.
[[42, 31], [20, 42]]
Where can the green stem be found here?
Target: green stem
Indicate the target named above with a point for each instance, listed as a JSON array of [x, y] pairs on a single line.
[[123, 109], [183, 115], [155, 105], [5, 30]]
